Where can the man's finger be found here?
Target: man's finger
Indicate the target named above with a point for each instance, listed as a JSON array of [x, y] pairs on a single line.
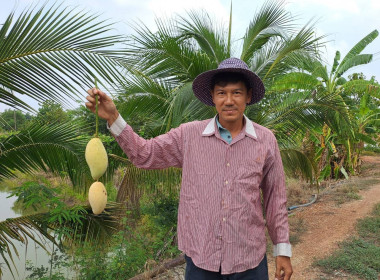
[[90, 106], [278, 270], [90, 98], [101, 94], [89, 91]]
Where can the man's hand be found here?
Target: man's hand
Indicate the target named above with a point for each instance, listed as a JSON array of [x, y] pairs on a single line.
[[106, 108], [284, 268]]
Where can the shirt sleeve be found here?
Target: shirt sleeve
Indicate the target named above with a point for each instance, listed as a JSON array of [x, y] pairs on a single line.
[[160, 152], [274, 194]]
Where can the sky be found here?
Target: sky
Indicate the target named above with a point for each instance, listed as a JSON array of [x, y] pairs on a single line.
[[344, 22]]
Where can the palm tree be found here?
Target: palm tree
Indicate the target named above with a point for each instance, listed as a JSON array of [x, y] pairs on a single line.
[[50, 54], [162, 66]]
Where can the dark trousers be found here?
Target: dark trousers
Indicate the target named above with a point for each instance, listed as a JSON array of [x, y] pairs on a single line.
[[195, 273]]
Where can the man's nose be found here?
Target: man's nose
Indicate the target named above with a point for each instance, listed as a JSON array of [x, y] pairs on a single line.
[[229, 99]]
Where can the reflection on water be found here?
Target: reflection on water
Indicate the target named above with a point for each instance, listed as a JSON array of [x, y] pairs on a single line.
[[6, 205], [32, 252]]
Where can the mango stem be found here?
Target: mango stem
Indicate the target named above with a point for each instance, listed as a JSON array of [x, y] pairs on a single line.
[[96, 111]]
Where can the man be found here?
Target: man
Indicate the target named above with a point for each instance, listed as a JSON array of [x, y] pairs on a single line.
[[225, 163]]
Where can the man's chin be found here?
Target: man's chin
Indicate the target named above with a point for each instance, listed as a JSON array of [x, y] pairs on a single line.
[[229, 118]]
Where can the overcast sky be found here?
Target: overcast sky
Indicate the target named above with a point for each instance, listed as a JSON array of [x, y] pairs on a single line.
[[344, 21]]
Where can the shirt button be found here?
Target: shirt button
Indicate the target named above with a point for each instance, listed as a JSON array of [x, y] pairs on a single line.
[[224, 219], [226, 182], [228, 164]]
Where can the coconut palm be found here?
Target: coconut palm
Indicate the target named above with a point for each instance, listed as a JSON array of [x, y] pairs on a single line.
[[50, 54], [163, 64]]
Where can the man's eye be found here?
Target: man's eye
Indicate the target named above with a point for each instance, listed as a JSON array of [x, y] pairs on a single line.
[[220, 92], [237, 92]]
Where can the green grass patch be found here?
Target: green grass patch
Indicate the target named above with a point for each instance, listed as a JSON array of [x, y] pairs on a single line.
[[358, 256], [346, 194]]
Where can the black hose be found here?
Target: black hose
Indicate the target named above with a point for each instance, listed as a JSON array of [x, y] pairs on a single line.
[[313, 199]]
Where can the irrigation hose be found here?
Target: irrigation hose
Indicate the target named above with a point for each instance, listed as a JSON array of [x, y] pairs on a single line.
[[312, 200]]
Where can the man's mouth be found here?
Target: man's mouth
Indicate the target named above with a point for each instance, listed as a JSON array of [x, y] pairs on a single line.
[[229, 110]]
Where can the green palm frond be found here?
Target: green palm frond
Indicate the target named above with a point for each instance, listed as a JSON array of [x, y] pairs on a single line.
[[295, 162], [159, 54], [304, 41], [310, 64], [362, 86], [294, 81], [138, 181], [56, 148], [271, 21], [54, 51], [210, 40], [185, 107], [41, 227]]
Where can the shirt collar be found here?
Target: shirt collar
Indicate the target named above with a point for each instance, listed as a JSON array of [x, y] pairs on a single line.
[[249, 128]]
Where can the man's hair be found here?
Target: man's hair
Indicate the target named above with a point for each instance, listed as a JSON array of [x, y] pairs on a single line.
[[224, 78]]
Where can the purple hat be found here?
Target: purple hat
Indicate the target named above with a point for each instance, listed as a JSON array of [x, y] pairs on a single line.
[[202, 83]]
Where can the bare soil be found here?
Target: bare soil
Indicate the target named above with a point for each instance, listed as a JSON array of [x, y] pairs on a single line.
[[328, 223]]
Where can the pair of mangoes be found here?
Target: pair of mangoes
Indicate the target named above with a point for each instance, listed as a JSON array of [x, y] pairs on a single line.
[[97, 160]]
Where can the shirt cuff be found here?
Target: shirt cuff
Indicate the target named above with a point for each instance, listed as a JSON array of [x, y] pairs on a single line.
[[282, 249], [118, 126]]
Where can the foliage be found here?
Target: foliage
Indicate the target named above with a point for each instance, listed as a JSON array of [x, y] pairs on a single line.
[[163, 64], [131, 248], [13, 120], [64, 226], [51, 112], [54, 148], [51, 52], [347, 118], [87, 118]]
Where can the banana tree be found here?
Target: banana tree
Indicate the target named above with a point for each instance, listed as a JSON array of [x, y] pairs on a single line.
[[338, 130]]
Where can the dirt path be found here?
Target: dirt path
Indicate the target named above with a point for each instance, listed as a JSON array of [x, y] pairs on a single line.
[[328, 224]]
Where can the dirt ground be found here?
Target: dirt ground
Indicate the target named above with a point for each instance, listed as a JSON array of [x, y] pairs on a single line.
[[327, 223]]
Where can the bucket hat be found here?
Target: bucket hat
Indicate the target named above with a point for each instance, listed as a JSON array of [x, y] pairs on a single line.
[[202, 83]]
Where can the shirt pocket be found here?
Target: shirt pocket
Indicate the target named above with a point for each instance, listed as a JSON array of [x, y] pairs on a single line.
[[250, 172]]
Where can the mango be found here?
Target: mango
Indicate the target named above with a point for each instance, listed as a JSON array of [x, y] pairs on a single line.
[[96, 157], [97, 195]]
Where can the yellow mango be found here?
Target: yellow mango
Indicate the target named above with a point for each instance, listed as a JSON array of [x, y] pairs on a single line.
[[96, 157], [97, 196]]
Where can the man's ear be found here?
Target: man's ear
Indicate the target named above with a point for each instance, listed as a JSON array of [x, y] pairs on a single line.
[[212, 95], [249, 96]]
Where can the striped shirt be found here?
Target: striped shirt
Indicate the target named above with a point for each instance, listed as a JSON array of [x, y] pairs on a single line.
[[220, 215]]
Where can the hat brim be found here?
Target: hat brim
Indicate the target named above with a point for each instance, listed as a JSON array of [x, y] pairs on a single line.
[[202, 85]]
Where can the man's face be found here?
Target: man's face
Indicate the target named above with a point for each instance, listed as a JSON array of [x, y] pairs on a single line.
[[230, 101]]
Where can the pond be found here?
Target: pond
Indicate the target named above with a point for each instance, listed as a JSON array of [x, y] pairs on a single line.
[[31, 253]]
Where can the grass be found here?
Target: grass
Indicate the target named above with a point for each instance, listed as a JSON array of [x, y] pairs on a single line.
[[349, 190], [358, 256]]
